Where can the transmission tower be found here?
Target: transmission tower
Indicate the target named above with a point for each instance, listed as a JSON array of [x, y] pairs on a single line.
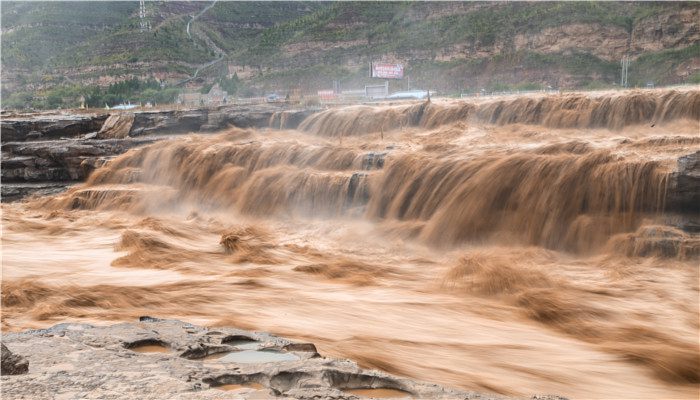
[[144, 23], [625, 64]]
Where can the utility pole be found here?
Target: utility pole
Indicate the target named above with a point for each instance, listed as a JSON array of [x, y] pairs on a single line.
[[625, 64]]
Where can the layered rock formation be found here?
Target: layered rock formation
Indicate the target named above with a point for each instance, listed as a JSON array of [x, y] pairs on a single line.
[[684, 192], [43, 153], [18, 128], [52, 126]]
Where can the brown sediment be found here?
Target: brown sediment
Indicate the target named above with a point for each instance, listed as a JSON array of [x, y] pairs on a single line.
[[520, 279], [249, 244], [231, 386], [379, 393], [530, 237], [611, 111], [347, 271], [150, 348]]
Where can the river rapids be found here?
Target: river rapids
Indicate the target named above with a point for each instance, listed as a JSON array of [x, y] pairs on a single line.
[[525, 245]]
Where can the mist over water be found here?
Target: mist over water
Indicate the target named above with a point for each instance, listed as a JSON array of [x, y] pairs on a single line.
[[519, 246]]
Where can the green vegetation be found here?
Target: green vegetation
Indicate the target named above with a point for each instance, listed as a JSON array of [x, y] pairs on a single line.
[[230, 85], [694, 78], [38, 32], [69, 96], [134, 90], [58, 97], [412, 31], [58, 46], [659, 67], [404, 26]]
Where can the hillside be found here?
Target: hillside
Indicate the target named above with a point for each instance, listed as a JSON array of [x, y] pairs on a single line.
[[469, 45], [452, 47]]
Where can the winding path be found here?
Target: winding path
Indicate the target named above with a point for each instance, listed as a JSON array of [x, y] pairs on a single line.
[[211, 45]]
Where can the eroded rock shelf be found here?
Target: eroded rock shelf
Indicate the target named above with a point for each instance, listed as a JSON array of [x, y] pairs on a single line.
[[158, 359], [45, 152]]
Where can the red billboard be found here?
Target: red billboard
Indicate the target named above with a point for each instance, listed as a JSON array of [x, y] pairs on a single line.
[[326, 95], [387, 70]]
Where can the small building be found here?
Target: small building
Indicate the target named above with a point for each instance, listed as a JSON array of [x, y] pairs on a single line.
[[192, 99]]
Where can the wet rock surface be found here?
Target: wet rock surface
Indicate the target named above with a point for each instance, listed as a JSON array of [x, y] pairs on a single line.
[[115, 124], [60, 160], [20, 128], [177, 121], [684, 186], [156, 358], [14, 191], [51, 151], [47, 167]]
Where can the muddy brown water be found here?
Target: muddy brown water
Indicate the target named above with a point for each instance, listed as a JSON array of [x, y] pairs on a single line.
[[379, 393], [150, 348], [232, 386], [513, 256]]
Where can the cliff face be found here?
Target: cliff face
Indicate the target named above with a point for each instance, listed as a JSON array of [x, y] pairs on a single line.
[[448, 46], [470, 46], [672, 29]]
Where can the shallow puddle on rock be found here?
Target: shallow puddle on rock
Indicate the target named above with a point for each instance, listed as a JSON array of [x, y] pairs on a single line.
[[233, 386], [379, 393], [252, 357], [150, 348]]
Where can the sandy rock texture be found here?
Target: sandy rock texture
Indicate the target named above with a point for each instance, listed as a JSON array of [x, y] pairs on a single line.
[[157, 359]]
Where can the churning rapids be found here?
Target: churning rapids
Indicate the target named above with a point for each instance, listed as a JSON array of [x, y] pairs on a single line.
[[525, 245]]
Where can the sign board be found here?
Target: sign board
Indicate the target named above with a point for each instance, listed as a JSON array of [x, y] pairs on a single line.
[[326, 95], [387, 70]]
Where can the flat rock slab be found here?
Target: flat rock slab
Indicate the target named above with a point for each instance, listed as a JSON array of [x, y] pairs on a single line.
[[157, 359], [43, 126]]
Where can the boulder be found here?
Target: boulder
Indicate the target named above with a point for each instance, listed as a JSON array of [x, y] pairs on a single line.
[[117, 126], [12, 364]]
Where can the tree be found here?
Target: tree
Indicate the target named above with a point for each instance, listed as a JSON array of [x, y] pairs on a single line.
[[230, 85], [54, 99]]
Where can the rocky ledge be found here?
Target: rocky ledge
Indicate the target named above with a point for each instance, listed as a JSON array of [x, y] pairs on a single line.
[[54, 150], [157, 359], [76, 124], [48, 126]]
